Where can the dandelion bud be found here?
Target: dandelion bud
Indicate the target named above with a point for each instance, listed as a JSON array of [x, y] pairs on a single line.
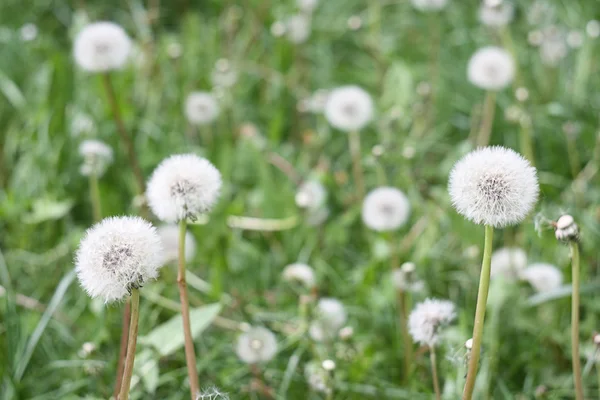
[[183, 186], [349, 108], [385, 209], [169, 236], [543, 277], [101, 47], [493, 186], [301, 273], [491, 68], [566, 230], [256, 345], [96, 155], [201, 108], [427, 318], [117, 255]]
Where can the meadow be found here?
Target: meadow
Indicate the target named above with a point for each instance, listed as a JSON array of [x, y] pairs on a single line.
[[294, 190]]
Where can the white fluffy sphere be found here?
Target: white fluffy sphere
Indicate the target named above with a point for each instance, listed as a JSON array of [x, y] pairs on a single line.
[[169, 236], [385, 209], [508, 262], [349, 108], [298, 28], [101, 47], [300, 272], [201, 108], [183, 186], [429, 5], [311, 195], [257, 345], [543, 277], [330, 318], [426, 319], [116, 255], [493, 186], [97, 155], [491, 68]]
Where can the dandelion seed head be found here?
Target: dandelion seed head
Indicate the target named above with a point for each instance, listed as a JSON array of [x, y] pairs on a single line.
[[28, 32], [493, 186], [278, 29], [174, 50], [405, 279], [201, 108], [256, 345], [354, 22], [385, 209], [542, 277], [346, 333], [97, 156], [298, 28], [328, 365], [301, 273], [491, 68], [212, 393], [349, 108], [330, 317], [429, 5], [101, 47], [169, 236], [566, 229], [316, 377], [311, 195], [508, 262], [497, 15], [224, 74], [183, 186], [116, 255], [592, 28], [427, 318]]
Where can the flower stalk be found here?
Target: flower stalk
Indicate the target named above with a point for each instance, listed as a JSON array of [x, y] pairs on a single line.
[[575, 270], [131, 344]]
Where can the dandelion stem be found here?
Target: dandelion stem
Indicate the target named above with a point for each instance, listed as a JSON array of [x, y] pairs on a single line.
[[598, 376], [190, 356], [406, 341], [95, 197], [133, 332], [359, 180], [434, 374], [482, 295], [575, 321], [125, 138], [487, 119], [123, 348], [526, 142]]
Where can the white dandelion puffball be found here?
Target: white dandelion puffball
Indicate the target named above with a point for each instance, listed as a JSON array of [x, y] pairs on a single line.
[[183, 186], [311, 195], [201, 108], [349, 108], [97, 155], [256, 345], [427, 318], [298, 28], [101, 47], [117, 255], [330, 317], [566, 229], [497, 15], [493, 186], [169, 236], [307, 6], [405, 279], [385, 209], [429, 5], [300, 273], [491, 68], [212, 393], [543, 277], [508, 262]]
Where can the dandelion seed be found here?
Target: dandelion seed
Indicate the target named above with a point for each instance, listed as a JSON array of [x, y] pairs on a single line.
[[256, 345], [385, 209], [508, 262], [491, 68], [429, 5], [427, 319], [494, 186], [543, 277], [497, 15], [330, 318], [349, 108], [566, 229], [311, 195], [183, 186], [102, 47], [169, 236], [117, 255], [298, 28], [201, 108], [301, 273], [97, 156]]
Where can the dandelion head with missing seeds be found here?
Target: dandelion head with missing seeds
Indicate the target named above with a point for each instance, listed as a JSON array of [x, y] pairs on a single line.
[[491, 68], [427, 318], [102, 47], [349, 108], [256, 345], [542, 277], [385, 209], [201, 108], [494, 186], [97, 156], [183, 186], [117, 255], [169, 236]]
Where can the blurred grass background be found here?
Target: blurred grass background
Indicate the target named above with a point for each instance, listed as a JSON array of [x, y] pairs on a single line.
[[396, 55]]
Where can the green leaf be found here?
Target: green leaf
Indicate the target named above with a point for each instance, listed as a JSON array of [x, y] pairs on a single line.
[[168, 337]]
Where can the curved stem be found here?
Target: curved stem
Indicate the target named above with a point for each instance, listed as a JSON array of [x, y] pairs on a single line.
[[359, 179], [133, 332], [482, 295], [95, 197], [575, 321], [190, 356], [487, 119], [434, 374]]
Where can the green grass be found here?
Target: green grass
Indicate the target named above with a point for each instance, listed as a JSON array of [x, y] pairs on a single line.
[[45, 208]]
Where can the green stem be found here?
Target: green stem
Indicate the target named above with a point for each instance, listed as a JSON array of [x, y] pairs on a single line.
[[355, 152], [575, 321], [487, 119], [598, 375], [95, 197], [406, 341], [132, 342], [482, 295], [190, 356], [526, 142], [434, 374]]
